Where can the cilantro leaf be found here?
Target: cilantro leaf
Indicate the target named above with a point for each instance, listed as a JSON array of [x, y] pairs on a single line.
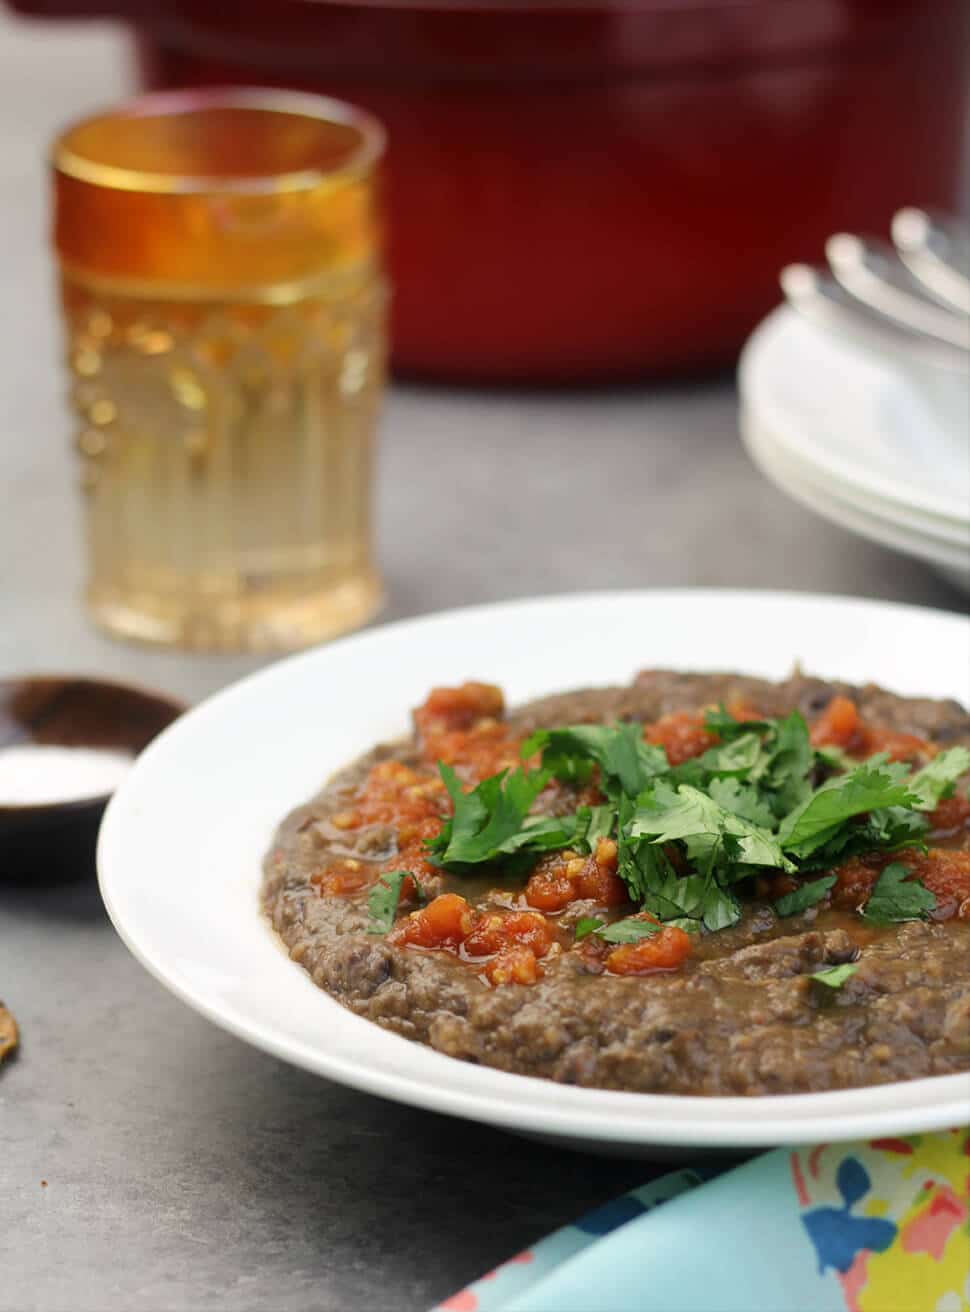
[[631, 930], [721, 722], [742, 799], [658, 888], [587, 925], [835, 976], [885, 829], [790, 763], [737, 757], [492, 820], [384, 897], [806, 895], [936, 781], [684, 923], [875, 783], [620, 751], [711, 833], [599, 823], [720, 909], [896, 897]]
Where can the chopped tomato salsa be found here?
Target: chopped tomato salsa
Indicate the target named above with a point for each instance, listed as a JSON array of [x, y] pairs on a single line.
[[508, 943], [498, 930], [444, 923], [395, 794], [509, 932], [514, 965], [840, 725], [464, 728], [666, 950], [681, 734], [950, 817], [565, 877], [342, 877], [944, 871]]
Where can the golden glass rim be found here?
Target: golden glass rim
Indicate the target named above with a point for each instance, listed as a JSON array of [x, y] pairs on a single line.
[[326, 109]]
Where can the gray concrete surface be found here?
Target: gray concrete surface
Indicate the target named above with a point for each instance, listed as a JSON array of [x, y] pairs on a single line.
[[185, 1170]]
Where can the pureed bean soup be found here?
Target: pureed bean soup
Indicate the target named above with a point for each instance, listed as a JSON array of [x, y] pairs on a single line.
[[703, 884]]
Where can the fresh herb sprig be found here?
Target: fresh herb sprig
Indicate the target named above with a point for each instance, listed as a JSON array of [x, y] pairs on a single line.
[[761, 799]]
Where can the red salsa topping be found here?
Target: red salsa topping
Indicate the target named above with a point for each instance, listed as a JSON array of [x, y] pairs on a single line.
[[507, 936]]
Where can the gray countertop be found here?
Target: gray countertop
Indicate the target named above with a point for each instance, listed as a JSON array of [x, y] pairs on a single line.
[[183, 1169]]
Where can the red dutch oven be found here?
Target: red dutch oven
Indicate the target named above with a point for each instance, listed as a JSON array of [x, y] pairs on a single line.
[[598, 191]]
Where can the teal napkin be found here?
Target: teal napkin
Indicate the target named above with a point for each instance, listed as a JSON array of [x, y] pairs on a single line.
[[882, 1226]]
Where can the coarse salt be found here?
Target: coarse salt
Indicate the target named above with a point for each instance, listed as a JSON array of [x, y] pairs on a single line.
[[33, 774]]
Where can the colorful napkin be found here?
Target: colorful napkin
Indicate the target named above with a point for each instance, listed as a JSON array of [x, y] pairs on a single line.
[[866, 1227]]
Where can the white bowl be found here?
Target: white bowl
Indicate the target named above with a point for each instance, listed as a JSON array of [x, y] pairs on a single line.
[[183, 839]]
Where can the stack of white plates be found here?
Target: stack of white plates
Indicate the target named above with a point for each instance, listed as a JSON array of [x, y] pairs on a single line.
[[873, 442]]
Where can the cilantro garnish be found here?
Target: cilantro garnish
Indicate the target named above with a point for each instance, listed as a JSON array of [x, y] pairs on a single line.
[[383, 898], [896, 896], [936, 781], [630, 930], [760, 799], [587, 925], [493, 821], [626, 760], [835, 976], [804, 896], [874, 784]]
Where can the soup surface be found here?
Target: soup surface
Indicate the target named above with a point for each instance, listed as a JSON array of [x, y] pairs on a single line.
[[698, 884]]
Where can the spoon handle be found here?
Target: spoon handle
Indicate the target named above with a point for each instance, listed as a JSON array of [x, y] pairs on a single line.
[[828, 303], [937, 253], [867, 275]]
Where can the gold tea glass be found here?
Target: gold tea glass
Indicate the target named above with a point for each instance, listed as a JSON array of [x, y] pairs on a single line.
[[224, 300]]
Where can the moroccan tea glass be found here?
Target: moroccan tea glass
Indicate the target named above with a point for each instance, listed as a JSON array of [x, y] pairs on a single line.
[[220, 265]]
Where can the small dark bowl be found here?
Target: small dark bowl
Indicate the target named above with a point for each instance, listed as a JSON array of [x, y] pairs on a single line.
[[52, 841]]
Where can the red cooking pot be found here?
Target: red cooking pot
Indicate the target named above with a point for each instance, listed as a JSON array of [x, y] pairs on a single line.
[[596, 191]]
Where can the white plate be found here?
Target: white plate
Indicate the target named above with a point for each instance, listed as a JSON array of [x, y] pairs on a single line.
[[860, 419], [919, 527], [182, 841], [949, 555]]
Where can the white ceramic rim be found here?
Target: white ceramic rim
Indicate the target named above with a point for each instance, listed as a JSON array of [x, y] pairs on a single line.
[[385, 1064], [873, 485], [920, 527], [788, 473]]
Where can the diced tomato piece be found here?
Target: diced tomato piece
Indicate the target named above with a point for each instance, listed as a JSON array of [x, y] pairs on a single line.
[[838, 726], [464, 728], [743, 711], [564, 877], [665, 950], [341, 878], [499, 930], [854, 879], [681, 734], [598, 879], [444, 923], [899, 746], [600, 886], [951, 816], [946, 873], [550, 889], [459, 708], [398, 795], [513, 965]]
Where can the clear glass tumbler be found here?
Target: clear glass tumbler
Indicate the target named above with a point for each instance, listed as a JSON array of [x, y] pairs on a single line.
[[221, 280]]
